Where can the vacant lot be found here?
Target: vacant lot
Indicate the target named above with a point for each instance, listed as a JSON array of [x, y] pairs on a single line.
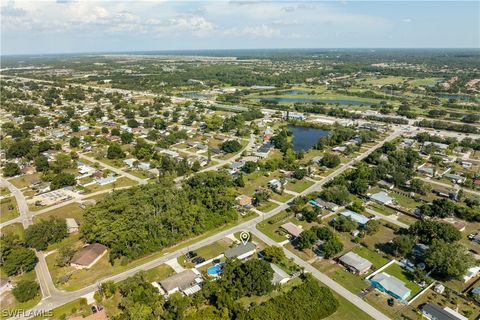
[[8, 209]]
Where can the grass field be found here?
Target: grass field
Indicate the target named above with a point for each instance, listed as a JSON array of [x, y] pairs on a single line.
[[9, 303], [71, 210], [14, 228], [24, 181], [121, 182], [376, 259], [77, 307], [208, 252], [159, 273], [298, 185], [8, 209], [271, 229]]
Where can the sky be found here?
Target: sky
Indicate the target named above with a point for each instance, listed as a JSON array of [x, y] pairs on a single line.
[[75, 26]]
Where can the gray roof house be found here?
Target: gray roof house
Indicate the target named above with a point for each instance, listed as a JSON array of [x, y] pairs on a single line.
[[279, 276], [355, 263], [381, 197], [241, 251], [435, 312]]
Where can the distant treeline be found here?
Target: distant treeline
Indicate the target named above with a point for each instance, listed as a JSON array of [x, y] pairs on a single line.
[[443, 125]]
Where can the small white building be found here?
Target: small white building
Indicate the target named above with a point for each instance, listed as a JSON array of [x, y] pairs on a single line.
[[72, 225]]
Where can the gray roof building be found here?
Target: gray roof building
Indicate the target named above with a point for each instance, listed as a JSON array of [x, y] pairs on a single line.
[[435, 312], [241, 251], [381, 197], [355, 263]]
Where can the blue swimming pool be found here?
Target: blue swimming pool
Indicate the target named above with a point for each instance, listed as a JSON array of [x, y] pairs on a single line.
[[216, 269]]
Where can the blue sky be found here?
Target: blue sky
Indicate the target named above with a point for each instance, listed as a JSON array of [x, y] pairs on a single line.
[[67, 26]]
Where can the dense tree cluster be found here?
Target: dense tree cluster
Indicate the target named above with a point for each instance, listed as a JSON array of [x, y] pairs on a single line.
[[15, 258], [46, 232], [147, 218], [231, 146]]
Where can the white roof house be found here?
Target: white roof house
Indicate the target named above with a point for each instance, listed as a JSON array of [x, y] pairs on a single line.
[[382, 198], [291, 228], [188, 282], [279, 276], [241, 251], [72, 225], [358, 218]]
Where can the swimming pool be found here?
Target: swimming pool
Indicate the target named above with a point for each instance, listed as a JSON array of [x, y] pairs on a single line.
[[215, 270]]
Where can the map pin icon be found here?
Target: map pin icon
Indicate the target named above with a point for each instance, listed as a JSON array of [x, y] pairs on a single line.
[[244, 236]]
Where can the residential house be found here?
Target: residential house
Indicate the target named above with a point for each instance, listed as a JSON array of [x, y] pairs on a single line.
[[358, 218], [244, 201], [187, 282], [72, 225], [390, 285], [279, 276], [455, 178], [292, 229], [324, 204], [385, 185], [446, 192], [264, 150], [107, 180], [275, 184], [88, 256], [241, 251], [435, 312], [355, 263], [382, 198]]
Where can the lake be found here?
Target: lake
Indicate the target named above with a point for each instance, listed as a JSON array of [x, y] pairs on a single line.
[[304, 138], [326, 101]]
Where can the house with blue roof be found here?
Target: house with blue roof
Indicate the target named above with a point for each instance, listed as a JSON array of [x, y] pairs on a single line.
[[390, 285], [358, 218]]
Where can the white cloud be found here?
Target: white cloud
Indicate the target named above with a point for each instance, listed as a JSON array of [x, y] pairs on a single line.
[[260, 31], [407, 20]]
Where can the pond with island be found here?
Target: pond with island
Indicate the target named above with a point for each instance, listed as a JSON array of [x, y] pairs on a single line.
[[304, 138]]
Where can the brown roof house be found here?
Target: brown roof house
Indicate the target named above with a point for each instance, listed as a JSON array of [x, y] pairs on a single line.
[[88, 256]]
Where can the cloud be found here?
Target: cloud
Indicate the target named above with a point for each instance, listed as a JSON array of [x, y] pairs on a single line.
[[260, 31], [10, 10], [407, 20]]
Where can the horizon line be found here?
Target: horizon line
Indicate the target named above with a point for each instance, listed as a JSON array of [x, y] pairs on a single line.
[[232, 49]]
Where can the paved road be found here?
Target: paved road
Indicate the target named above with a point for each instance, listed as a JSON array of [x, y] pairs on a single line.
[[449, 186], [387, 218], [357, 301]]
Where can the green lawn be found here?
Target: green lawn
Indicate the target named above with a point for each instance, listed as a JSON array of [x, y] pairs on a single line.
[[347, 311], [298, 185], [208, 252], [158, 273], [121, 182], [282, 197], [24, 181], [71, 210], [8, 209], [4, 191], [405, 202], [77, 307], [267, 206], [381, 209], [376, 259], [14, 228]]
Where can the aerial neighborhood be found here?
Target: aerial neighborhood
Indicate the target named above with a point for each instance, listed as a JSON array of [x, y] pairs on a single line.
[[283, 184]]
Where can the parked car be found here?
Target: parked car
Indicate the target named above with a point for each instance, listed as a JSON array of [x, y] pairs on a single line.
[[190, 255], [198, 260]]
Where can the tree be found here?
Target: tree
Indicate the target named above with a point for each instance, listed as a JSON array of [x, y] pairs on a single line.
[[306, 239], [41, 164], [261, 196], [230, 146], [449, 260], [428, 230], [126, 137], [344, 224], [249, 167], [330, 160], [299, 173], [331, 247], [11, 169], [19, 260], [273, 254], [61, 180], [372, 226], [338, 194], [46, 232], [25, 290], [115, 151], [65, 255], [403, 244], [74, 142]]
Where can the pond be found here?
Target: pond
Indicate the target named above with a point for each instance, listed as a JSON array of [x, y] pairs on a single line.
[[326, 101], [193, 95], [304, 138], [295, 92]]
